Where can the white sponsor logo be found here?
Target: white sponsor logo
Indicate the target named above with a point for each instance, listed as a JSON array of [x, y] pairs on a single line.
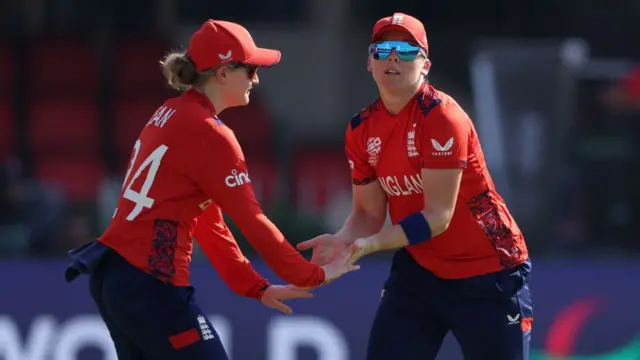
[[397, 19], [207, 334], [442, 150], [401, 185], [411, 143], [374, 145], [224, 57], [237, 179], [513, 319]]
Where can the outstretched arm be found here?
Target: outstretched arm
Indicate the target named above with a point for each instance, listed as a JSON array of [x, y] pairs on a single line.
[[226, 180], [221, 248]]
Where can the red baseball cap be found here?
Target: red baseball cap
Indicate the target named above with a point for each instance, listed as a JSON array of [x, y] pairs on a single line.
[[403, 22], [221, 42]]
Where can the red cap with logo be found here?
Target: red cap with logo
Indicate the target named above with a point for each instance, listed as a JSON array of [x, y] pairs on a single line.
[[402, 22], [218, 43]]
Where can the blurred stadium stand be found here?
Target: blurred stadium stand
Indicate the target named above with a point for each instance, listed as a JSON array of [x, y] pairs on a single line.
[[78, 82]]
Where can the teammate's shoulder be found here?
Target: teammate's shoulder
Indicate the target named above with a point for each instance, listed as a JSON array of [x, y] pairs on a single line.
[[365, 114]]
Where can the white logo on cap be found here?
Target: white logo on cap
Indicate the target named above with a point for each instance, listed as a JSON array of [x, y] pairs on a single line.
[[225, 57], [397, 19]]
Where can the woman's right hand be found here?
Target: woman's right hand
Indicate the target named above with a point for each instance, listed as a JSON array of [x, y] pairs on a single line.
[[274, 296], [325, 248], [340, 265]]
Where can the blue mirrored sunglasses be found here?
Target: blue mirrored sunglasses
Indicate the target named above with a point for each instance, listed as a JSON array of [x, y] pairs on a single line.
[[404, 50]]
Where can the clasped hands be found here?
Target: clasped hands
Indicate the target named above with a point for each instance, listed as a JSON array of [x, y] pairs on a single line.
[[336, 257]]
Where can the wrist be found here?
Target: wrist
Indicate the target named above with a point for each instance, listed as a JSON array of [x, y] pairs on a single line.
[[368, 245], [344, 238], [323, 279], [263, 288], [416, 228]]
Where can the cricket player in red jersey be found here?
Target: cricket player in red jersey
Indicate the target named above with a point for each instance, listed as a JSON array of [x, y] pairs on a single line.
[[462, 264], [185, 169]]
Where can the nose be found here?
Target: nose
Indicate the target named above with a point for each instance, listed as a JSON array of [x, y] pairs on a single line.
[[394, 56], [255, 80]]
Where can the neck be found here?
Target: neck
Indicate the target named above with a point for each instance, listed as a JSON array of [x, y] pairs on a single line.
[[395, 100], [219, 105]]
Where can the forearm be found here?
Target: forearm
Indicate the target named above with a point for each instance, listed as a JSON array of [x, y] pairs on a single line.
[[396, 237], [360, 224], [227, 258], [243, 280], [278, 253]]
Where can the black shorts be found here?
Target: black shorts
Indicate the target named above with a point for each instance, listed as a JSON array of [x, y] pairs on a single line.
[[489, 315], [147, 319]]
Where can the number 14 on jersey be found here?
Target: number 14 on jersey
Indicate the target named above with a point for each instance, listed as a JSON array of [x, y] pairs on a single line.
[[141, 198]]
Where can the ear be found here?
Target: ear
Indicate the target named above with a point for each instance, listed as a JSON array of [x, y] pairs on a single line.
[[221, 75], [426, 68]]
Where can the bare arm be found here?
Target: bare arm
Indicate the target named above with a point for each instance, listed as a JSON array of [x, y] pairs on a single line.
[[368, 214], [441, 177], [441, 188]]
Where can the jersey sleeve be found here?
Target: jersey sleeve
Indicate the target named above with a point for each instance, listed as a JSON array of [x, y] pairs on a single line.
[[445, 138], [218, 243], [221, 172], [361, 172]]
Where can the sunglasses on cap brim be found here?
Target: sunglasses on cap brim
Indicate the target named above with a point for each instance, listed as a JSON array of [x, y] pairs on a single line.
[[405, 51]]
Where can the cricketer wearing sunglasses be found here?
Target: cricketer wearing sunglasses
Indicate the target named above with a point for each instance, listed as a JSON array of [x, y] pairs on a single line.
[[187, 168], [461, 264]]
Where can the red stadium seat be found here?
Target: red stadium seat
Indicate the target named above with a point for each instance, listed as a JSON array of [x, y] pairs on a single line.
[[7, 70], [137, 68], [319, 175], [78, 178], [7, 131], [62, 65], [131, 115], [67, 125]]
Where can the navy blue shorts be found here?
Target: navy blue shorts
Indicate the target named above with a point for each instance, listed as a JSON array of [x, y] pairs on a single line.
[[489, 315], [147, 319]]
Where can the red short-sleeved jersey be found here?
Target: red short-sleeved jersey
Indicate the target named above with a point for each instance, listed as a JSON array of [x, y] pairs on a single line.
[[433, 132], [185, 169]]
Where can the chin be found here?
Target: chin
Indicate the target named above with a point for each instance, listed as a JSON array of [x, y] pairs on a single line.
[[392, 85], [242, 101]]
